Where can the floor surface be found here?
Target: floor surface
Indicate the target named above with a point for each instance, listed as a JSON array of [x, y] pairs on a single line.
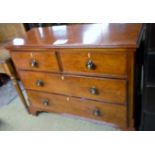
[[13, 117]]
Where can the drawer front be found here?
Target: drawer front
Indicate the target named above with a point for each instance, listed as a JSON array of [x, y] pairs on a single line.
[[39, 61], [108, 90], [87, 108], [101, 61]]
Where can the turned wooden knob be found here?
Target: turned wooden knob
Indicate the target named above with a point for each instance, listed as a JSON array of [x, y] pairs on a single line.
[[96, 112], [94, 91], [90, 65], [34, 63], [40, 83], [45, 102]]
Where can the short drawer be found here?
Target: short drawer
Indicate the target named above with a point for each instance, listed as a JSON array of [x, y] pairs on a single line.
[[86, 108], [109, 90], [38, 61], [94, 62]]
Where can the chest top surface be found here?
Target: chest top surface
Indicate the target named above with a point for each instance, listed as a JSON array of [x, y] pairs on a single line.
[[105, 35]]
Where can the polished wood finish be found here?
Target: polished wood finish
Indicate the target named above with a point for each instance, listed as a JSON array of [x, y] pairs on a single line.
[[89, 69], [106, 62], [130, 92], [108, 90], [43, 60], [106, 35], [63, 104]]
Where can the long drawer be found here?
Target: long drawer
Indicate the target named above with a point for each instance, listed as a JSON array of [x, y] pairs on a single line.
[[108, 90], [86, 108], [105, 62], [36, 60]]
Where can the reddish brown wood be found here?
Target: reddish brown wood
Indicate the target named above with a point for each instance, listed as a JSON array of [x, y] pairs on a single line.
[[45, 60], [65, 50], [33, 110], [109, 90], [130, 89], [63, 104], [106, 35], [108, 62]]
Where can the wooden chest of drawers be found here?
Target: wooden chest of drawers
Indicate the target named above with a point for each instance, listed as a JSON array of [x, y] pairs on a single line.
[[81, 69]]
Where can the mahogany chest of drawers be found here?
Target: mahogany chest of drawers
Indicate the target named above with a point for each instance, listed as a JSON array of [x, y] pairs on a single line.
[[80, 69]]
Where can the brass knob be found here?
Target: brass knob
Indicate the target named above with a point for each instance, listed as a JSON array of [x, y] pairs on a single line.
[[90, 65], [40, 83], [94, 91], [34, 63], [97, 112], [45, 102]]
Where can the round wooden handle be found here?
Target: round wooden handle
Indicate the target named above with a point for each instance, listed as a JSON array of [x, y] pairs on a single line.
[[93, 91], [45, 102], [34, 63], [90, 65], [97, 112], [40, 83]]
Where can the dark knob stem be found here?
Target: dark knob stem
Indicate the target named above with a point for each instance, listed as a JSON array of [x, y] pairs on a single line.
[[45, 102], [93, 91], [34, 63], [96, 112], [90, 65], [40, 83]]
